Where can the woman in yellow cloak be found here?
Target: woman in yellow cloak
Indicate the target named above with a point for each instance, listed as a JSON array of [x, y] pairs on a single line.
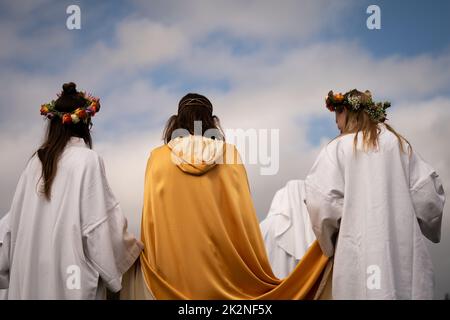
[[199, 227]]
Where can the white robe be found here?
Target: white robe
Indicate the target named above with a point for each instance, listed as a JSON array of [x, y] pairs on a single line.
[[73, 246], [378, 206], [287, 230]]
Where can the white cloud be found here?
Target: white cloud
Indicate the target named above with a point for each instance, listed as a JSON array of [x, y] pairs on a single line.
[[138, 46], [125, 161], [255, 19], [35, 38], [17, 149], [140, 99]]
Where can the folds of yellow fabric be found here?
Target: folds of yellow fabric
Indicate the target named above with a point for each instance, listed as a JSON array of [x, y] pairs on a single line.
[[302, 283], [202, 238]]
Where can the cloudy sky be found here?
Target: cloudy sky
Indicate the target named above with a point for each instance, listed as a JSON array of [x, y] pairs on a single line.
[[264, 65]]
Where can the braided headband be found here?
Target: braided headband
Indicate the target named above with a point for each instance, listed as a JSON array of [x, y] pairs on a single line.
[[83, 113], [202, 102], [354, 102]]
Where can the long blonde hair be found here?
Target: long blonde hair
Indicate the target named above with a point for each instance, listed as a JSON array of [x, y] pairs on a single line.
[[360, 121]]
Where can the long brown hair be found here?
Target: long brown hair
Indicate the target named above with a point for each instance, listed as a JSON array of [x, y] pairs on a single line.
[[360, 121], [59, 134], [193, 107]]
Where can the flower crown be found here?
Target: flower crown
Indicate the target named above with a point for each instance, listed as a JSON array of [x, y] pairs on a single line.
[[80, 114], [355, 101]]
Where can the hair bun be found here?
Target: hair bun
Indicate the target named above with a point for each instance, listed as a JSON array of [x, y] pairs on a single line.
[[69, 88]]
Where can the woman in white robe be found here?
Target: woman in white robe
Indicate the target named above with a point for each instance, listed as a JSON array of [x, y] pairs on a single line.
[[73, 244], [371, 204]]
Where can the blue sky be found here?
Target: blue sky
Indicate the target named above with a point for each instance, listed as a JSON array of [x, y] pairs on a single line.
[[264, 65], [409, 28]]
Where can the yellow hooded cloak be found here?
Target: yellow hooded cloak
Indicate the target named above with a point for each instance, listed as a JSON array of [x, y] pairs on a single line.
[[201, 234]]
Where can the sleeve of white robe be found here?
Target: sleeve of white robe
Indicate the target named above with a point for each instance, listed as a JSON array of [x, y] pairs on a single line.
[[5, 240], [324, 188], [108, 246], [428, 197]]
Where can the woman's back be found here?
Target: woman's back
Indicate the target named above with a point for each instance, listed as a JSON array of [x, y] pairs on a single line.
[[65, 236], [52, 255], [200, 230], [374, 203], [199, 227], [197, 207]]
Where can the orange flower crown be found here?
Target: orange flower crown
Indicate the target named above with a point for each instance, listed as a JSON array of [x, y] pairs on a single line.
[[83, 113]]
